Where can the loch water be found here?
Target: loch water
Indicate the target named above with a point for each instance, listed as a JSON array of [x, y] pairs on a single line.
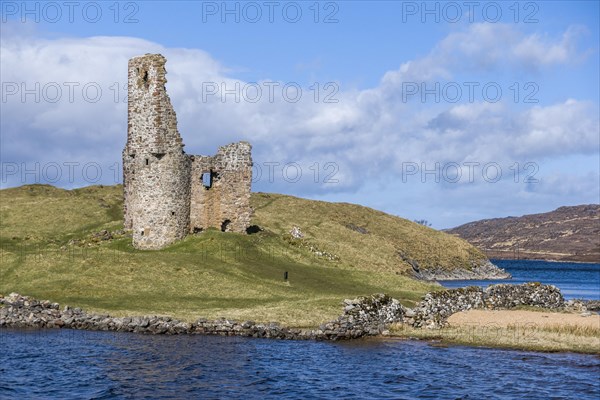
[[70, 364], [575, 280]]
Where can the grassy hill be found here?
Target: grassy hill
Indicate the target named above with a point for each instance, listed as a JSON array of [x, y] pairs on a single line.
[[52, 247]]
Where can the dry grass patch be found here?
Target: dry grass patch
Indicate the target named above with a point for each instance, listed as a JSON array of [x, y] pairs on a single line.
[[332, 227], [516, 329]]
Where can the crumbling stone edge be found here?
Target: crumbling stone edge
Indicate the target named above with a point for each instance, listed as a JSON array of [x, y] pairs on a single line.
[[485, 270], [363, 316]]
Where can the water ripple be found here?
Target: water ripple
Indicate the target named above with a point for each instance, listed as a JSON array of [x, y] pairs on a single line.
[[105, 365]]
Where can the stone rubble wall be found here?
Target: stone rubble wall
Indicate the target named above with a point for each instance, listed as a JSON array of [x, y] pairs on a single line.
[[590, 305], [363, 316], [25, 312], [529, 294], [436, 307]]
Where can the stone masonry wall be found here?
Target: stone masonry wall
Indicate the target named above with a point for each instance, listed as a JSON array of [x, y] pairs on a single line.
[[156, 170], [222, 200], [436, 307], [164, 194]]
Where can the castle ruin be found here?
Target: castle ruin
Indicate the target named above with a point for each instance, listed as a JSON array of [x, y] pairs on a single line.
[[168, 193]]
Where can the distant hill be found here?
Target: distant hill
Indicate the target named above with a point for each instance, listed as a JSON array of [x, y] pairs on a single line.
[[565, 234]]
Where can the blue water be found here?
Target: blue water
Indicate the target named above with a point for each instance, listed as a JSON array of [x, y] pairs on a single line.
[[575, 280], [68, 364]]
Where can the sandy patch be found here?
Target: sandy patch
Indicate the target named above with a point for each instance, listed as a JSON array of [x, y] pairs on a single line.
[[504, 318]]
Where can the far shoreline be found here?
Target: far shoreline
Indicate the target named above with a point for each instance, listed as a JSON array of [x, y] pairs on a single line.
[[492, 259]]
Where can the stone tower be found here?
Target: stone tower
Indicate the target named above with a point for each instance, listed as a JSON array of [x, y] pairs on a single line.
[[156, 170], [167, 193]]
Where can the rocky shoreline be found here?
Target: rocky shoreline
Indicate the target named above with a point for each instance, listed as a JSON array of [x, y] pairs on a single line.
[[364, 316], [484, 271]]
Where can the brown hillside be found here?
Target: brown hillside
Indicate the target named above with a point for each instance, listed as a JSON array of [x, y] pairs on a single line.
[[565, 234]]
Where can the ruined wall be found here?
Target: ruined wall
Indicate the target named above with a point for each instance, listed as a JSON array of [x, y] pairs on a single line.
[[165, 197], [221, 198], [156, 170], [203, 203]]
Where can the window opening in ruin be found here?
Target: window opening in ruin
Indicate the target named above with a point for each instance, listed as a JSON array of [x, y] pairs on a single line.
[[207, 180], [225, 225], [147, 161], [142, 233], [145, 77], [172, 212]]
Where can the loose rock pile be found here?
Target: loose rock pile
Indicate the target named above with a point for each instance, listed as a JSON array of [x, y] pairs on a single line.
[[579, 305], [592, 305], [360, 229], [97, 237], [296, 238], [296, 232], [363, 316]]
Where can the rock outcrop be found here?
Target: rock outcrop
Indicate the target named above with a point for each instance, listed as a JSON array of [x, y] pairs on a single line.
[[484, 271]]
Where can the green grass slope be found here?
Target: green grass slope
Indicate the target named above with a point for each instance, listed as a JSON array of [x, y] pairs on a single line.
[[49, 249]]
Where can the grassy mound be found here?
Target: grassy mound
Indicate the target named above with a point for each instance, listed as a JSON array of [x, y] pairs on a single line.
[[50, 249]]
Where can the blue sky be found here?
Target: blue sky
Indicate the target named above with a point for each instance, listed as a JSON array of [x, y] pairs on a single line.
[[379, 140]]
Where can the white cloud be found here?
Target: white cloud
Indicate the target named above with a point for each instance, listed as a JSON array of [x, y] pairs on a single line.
[[536, 50], [366, 133], [569, 127], [488, 47], [493, 132]]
